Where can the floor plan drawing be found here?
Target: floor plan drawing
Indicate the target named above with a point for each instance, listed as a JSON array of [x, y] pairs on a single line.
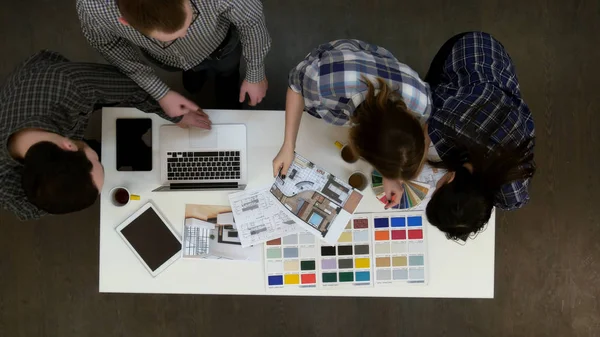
[[321, 202], [259, 218]]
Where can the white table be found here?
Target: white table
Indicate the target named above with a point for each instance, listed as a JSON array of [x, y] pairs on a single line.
[[454, 270]]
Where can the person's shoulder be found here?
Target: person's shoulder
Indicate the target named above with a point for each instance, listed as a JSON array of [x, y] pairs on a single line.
[[358, 45], [30, 67], [99, 9]]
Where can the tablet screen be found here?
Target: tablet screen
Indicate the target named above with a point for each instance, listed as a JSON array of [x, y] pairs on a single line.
[[151, 239]]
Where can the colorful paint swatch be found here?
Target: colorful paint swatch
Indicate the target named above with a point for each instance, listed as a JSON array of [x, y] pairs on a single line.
[[399, 252], [291, 261], [373, 250], [413, 193], [349, 263]]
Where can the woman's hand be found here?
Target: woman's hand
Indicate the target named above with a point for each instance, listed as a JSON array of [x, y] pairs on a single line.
[[283, 160], [393, 191]]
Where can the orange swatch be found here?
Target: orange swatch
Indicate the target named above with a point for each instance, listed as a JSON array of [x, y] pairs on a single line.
[[382, 235]]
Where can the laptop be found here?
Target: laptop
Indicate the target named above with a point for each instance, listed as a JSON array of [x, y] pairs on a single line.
[[198, 160]]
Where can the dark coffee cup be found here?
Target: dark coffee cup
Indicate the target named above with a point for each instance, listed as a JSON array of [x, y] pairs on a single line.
[[358, 181]]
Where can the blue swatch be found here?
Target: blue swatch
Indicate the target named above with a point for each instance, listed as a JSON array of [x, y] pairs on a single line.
[[415, 221], [362, 276], [399, 222], [381, 222], [417, 260], [275, 280]]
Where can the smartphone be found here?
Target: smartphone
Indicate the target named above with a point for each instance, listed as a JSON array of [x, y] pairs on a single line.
[[134, 144]]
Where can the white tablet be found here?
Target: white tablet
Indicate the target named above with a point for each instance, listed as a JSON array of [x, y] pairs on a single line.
[[151, 239]]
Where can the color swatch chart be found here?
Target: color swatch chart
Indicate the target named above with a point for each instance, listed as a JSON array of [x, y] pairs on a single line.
[[399, 249], [374, 249], [348, 263], [291, 261]]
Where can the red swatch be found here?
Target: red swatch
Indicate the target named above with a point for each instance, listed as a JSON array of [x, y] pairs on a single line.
[[309, 278], [415, 234], [398, 235], [361, 223], [274, 242]]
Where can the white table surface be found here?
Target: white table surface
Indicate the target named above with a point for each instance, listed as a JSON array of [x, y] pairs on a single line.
[[454, 270]]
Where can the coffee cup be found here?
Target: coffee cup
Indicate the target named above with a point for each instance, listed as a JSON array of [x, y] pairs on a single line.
[[358, 180], [347, 153], [120, 196]]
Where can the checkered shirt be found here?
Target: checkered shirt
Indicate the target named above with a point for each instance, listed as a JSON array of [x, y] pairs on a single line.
[[118, 43], [51, 93], [330, 80], [479, 98]]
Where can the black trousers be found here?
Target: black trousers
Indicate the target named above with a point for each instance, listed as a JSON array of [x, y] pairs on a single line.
[[224, 62], [436, 69]]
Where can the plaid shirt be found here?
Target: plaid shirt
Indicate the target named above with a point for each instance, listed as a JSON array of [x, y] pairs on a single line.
[[479, 98], [117, 42], [50, 93], [330, 80]]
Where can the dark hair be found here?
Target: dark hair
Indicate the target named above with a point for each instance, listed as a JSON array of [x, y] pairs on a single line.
[[146, 16], [58, 181], [464, 205], [387, 134]]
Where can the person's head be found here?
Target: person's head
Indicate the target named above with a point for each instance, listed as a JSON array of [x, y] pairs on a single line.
[[164, 20], [387, 134], [61, 175], [465, 196]]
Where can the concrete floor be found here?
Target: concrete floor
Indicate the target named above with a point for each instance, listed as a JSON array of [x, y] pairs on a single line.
[[547, 255]]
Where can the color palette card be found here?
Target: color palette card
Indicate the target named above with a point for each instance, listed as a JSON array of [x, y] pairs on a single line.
[[413, 194], [348, 264], [399, 248], [291, 261], [373, 250]]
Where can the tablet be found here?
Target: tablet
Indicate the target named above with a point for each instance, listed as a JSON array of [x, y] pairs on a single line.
[[151, 239]]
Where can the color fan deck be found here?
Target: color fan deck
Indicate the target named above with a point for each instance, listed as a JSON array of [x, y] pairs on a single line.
[[374, 250]]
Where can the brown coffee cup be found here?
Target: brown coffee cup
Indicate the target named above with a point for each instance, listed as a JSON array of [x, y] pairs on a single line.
[[120, 196], [348, 155], [358, 180]]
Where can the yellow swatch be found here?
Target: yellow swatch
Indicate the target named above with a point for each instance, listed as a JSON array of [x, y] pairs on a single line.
[[345, 237], [362, 263], [291, 279]]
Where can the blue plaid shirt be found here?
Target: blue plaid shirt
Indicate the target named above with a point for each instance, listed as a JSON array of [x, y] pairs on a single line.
[[330, 80], [479, 98]]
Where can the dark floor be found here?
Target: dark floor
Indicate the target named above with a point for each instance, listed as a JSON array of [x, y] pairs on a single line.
[[548, 254]]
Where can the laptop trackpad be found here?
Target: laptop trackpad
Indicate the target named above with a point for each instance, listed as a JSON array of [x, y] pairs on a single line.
[[203, 138]]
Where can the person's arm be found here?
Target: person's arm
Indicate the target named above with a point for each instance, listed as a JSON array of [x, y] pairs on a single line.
[[105, 85], [513, 195], [120, 52], [248, 18], [12, 198], [294, 106]]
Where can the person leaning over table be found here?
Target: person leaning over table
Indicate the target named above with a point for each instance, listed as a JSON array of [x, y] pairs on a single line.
[[482, 131], [193, 36], [363, 86], [45, 105]]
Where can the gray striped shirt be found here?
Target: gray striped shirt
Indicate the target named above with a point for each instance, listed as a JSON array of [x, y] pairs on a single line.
[[48, 92], [117, 42]]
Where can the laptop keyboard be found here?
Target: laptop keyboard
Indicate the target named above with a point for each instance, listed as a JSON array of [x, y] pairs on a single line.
[[221, 165]]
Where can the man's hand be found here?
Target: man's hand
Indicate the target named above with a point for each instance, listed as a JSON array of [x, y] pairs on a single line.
[[393, 191], [256, 91], [283, 160], [174, 105], [196, 119]]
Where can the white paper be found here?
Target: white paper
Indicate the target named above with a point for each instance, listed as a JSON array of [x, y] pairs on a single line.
[[318, 201], [259, 218], [225, 219], [199, 223]]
